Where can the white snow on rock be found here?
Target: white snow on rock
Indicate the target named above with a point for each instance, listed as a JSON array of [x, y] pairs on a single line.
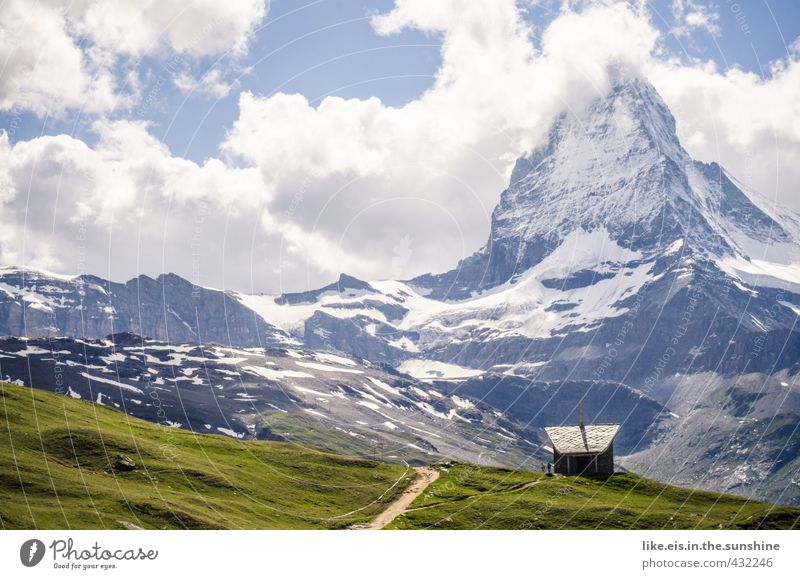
[[327, 368], [31, 351], [112, 383], [762, 273], [273, 374], [430, 370], [462, 403], [333, 359], [315, 412], [229, 432], [311, 391], [384, 386]]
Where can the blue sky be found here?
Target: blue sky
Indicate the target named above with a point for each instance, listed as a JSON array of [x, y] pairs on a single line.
[[270, 146]]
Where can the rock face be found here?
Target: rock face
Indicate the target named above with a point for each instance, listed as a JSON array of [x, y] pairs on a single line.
[[168, 308]]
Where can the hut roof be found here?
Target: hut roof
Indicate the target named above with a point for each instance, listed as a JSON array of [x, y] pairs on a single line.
[[583, 439]]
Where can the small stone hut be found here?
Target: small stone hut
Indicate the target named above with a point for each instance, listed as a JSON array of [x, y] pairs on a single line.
[[583, 449]]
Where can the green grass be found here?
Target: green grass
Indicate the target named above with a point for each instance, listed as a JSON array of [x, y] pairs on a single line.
[[470, 497], [56, 455], [56, 472]]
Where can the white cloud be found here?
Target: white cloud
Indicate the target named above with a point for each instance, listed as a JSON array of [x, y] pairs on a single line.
[[691, 15], [492, 100], [43, 70], [122, 207], [63, 54], [431, 171], [211, 83], [197, 28]]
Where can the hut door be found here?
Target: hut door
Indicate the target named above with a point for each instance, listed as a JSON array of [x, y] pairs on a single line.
[[582, 464]]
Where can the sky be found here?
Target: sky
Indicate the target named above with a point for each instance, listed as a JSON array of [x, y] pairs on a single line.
[[269, 146]]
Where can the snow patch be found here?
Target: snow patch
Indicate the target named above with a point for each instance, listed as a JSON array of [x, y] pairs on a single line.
[[430, 370], [229, 432], [112, 383], [326, 368], [272, 374]]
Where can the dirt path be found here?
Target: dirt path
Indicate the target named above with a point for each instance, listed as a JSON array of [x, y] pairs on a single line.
[[425, 476]]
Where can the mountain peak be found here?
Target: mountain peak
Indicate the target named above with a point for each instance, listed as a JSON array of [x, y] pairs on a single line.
[[630, 118], [616, 165]]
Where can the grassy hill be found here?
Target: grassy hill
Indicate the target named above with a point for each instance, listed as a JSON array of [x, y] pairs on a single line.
[[60, 467], [470, 497]]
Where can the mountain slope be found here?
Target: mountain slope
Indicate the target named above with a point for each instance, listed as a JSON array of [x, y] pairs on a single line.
[[60, 468], [331, 401], [619, 168], [613, 256]]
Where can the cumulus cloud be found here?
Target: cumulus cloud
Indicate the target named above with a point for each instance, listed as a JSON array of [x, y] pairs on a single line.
[[211, 84], [691, 15], [67, 54], [493, 100], [43, 69], [123, 206], [198, 27]]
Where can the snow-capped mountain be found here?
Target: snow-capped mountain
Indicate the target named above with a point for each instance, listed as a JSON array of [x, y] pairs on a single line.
[[617, 170], [36, 303], [609, 224]]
